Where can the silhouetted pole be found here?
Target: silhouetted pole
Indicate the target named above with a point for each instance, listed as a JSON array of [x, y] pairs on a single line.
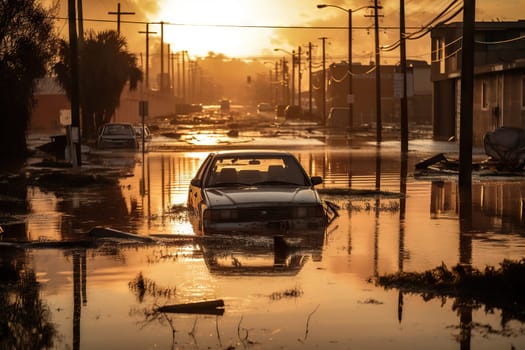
[[466, 111], [75, 108], [275, 86], [299, 76], [80, 13], [350, 97], [323, 83], [403, 66], [310, 87], [378, 75], [119, 13], [161, 88], [169, 68], [147, 32], [284, 82], [77, 299], [173, 57], [184, 76], [293, 77]]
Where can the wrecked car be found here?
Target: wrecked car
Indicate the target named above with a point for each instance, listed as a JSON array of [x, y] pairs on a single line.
[[506, 147], [255, 191]]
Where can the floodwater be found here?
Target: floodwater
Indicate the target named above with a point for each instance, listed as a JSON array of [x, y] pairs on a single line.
[[317, 296]]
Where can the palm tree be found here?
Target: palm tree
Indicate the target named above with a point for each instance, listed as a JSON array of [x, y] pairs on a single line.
[[27, 46], [105, 68]]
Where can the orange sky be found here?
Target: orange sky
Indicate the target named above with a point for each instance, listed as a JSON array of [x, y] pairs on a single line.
[[254, 28]]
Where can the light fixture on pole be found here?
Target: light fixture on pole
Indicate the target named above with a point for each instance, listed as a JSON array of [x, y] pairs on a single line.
[[350, 97]]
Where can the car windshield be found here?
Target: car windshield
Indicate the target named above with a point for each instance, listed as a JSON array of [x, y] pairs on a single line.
[[118, 129], [256, 170]]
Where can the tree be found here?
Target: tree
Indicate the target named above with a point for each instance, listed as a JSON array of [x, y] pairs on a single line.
[[27, 46], [105, 68]]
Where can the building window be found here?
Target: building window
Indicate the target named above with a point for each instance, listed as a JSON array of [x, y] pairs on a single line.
[[484, 95]]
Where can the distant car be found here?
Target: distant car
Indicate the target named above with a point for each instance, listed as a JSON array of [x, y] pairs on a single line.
[[247, 191], [138, 132], [279, 110], [117, 135], [293, 112], [265, 112]]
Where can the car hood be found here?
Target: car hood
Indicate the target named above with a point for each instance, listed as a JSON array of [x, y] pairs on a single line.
[[249, 196]]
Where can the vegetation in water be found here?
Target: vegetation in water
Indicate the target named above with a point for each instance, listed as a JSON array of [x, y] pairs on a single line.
[[495, 287]]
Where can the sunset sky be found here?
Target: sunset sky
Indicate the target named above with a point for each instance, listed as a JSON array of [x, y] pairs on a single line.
[[254, 28]]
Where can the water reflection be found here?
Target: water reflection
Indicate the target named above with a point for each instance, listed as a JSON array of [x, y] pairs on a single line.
[[260, 255], [26, 321], [415, 229]]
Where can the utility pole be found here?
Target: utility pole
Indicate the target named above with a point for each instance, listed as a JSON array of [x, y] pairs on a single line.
[[403, 66], [161, 88], [310, 78], [379, 125], [119, 13], [183, 77], [323, 83], [299, 77], [169, 68], [275, 85], [147, 32], [75, 109], [293, 77], [284, 81], [177, 55], [80, 22], [466, 111], [173, 57]]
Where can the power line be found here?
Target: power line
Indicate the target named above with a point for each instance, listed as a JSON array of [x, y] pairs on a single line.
[[239, 26], [455, 6]]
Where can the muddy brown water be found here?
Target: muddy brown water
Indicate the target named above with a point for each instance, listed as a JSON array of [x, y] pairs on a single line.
[[317, 295]]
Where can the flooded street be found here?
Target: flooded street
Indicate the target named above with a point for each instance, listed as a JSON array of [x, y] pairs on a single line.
[[319, 293]]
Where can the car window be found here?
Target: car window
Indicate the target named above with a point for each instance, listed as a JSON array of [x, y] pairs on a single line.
[[118, 130], [282, 170], [200, 172]]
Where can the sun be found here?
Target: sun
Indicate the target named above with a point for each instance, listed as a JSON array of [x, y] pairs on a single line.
[[204, 26]]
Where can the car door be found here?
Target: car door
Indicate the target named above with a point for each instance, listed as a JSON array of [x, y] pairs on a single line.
[[196, 185]]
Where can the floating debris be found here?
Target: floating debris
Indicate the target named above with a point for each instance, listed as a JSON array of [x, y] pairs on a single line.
[[209, 307], [288, 293]]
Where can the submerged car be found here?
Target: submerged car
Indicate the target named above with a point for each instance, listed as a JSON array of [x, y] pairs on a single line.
[[247, 191], [117, 135], [139, 131]]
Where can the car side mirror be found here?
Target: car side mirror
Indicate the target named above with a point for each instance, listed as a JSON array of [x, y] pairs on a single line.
[[196, 182], [316, 180]]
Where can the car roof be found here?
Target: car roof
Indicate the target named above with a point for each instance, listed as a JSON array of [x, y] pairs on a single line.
[[125, 124], [251, 152]]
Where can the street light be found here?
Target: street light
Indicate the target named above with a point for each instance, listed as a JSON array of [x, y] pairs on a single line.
[[293, 70], [350, 97]]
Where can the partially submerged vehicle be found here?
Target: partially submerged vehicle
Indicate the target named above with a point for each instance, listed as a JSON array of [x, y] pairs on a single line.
[[117, 135], [266, 192], [140, 131]]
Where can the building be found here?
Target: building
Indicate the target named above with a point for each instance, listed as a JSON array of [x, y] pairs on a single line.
[[51, 103], [419, 92], [499, 78], [52, 110]]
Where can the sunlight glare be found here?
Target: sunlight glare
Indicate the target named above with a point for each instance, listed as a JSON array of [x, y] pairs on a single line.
[[191, 28]]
